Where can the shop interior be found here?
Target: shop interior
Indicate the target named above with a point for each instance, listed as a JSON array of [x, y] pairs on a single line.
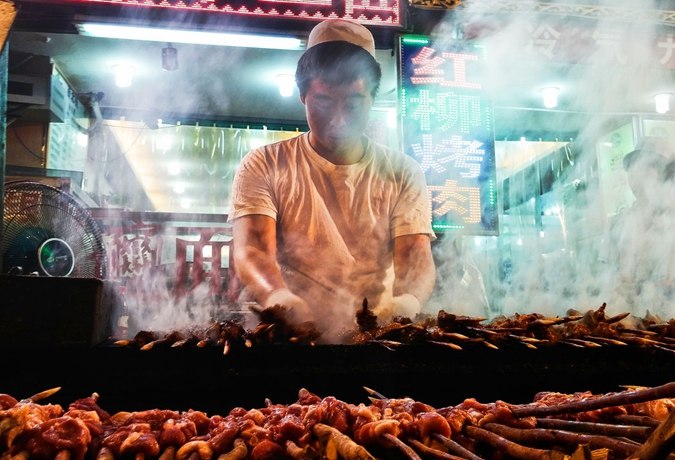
[[152, 158]]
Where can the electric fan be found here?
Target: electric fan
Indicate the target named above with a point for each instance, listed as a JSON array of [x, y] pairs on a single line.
[[46, 231]]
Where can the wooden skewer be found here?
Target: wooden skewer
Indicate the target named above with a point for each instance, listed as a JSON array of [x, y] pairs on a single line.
[[455, 447], [375, 393], [431, 452], [660, 444], [511, 448], [527, 339], [619, 447], [605, 429], [571, 344], [615, 319], [617, 399], [389, 344], [605, 340], [490, 345], [181, 343], [636, 331], [584, 343], [482, 330], [660, 347], [400, 445], [642, 420], [43, 394], [454, 346], [455, 335]]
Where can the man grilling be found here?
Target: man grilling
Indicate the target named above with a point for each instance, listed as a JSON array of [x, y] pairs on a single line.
[[330, 218]]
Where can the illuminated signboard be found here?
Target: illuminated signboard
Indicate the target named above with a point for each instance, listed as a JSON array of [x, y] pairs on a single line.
[[447, 127], [370, 12]]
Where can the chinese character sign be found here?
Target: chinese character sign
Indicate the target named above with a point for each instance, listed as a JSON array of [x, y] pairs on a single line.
[[447, 127]]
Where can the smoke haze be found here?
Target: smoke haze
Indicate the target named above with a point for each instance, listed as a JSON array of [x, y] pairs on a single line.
[[580, 243], [560, 190]]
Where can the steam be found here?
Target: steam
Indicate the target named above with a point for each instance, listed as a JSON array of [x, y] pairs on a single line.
[[580, 244], [543, 263]]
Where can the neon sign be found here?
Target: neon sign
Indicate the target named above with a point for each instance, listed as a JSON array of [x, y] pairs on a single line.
[[369, 12], [446, 119]]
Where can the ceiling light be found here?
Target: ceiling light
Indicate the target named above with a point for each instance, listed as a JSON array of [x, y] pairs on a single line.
[[123, 74], [196, 37], [550, 95], [286, 82], [662, 102]]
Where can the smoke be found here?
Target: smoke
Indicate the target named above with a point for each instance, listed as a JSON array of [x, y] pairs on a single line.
[[555, 250], [582, 238]]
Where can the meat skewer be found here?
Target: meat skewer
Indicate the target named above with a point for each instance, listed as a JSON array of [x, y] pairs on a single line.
[[633, 432], [511, 448], [341, 442], [530, 435], [616, 399], [329, 428]]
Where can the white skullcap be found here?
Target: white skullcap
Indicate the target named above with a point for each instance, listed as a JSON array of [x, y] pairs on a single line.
[[332, 30]]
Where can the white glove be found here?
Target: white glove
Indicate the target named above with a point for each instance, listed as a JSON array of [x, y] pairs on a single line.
[[403, 305], [299, 309]]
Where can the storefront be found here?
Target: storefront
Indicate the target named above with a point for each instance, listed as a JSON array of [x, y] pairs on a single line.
[[523, 188]]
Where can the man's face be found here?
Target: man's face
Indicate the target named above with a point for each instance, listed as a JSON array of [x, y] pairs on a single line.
[[337, 116]]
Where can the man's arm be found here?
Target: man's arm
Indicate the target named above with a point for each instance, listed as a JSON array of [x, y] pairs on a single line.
[[255, 262], [255, 255], [414, 270], [414, 278]]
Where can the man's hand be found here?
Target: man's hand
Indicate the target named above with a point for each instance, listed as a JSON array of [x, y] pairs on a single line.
[[299, 310], [403, 305]]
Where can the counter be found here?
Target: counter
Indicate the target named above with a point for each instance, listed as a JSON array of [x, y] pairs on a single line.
[[129, 379]]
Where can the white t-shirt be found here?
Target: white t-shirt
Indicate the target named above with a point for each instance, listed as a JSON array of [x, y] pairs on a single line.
[[335, 223]]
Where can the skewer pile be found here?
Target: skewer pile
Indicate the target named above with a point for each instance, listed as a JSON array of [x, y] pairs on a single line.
[[590, 330], [636, 423]]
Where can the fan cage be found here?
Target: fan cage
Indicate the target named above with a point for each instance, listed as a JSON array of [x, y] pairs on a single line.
[[35, 212]]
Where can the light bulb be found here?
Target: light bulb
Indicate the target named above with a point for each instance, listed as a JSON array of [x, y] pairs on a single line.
[[662, 103], [550, 95], [123, 74], [286, 82]]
